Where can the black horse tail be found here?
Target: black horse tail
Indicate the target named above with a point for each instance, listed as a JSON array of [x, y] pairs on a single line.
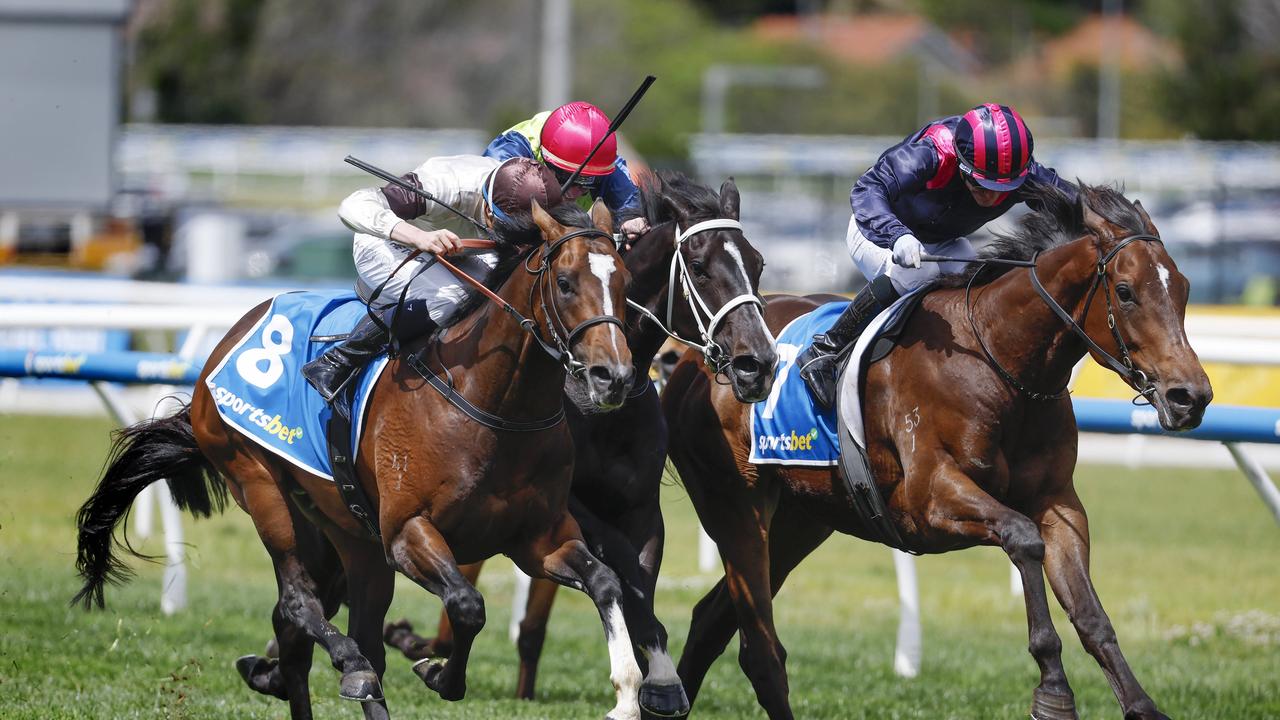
[[141, 454]]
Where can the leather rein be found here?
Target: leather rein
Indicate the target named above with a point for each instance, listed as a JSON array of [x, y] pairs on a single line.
[[1123, 366], [714, 355], [559, 349]]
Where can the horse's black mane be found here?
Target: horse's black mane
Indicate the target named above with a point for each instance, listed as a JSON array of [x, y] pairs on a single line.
[[674, 189], [1056, 219], [517, 238]]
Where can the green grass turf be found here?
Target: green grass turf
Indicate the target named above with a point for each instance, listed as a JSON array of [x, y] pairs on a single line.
[[1185, 561]]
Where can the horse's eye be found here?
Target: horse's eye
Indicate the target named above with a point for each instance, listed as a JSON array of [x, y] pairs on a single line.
[[698, 268], [563, 283], [1124, 292]]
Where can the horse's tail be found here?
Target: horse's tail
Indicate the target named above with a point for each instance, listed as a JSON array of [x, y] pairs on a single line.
[[141, 454]]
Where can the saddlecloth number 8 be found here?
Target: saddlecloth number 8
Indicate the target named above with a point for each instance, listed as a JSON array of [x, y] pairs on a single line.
[[272, 348]]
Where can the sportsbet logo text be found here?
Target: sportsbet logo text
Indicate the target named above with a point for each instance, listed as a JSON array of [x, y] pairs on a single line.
[[271, 424], [790, 441]]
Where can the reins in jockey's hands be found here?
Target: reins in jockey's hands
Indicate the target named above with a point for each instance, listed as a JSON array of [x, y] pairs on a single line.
[[439, 242], [907, 250]]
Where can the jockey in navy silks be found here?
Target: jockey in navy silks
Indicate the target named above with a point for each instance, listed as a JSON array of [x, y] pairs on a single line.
[[561, 139], [925, 194], [391, 222]]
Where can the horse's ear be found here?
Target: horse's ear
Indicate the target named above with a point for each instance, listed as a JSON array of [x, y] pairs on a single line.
[[601, 217], [730, 201], [1095, 223], [1146, 219], [675, 211], [547, 224]]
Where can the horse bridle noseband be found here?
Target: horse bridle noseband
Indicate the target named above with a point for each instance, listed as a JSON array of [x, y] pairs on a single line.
[[562, 351], [714, 355], [1123, 366]]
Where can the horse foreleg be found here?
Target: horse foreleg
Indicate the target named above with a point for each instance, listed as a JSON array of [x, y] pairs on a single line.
[[959, 507], [661, 691], [371, 584], [562, 556], [420, 552], [1065, 529], [400, 634], [793, 535]]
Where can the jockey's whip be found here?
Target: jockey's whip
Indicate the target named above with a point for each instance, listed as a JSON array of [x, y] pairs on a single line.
[[613, 127], [998, 261], [379, 172]]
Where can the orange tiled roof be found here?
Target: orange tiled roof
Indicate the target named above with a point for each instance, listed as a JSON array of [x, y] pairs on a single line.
[[862, 39]]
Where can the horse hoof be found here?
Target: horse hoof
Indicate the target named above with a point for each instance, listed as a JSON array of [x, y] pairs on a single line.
[[399, 635], [663, 701], [431, 670], [361, 686], [262, 675], [1051, 706]]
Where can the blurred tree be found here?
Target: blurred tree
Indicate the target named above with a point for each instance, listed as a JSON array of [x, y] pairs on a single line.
[[1228, 89], [194, 57]]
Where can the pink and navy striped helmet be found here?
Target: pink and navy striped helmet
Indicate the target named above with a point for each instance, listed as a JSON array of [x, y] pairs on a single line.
[[993, 147]]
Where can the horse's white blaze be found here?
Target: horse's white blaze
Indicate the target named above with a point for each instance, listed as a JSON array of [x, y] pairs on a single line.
[[1163, 272], [602, 266], [624, 671], [732, 248]]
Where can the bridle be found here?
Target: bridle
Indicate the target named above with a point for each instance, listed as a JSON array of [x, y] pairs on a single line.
[[562, 338], [714, 355], [559, 349], [1123, 366]]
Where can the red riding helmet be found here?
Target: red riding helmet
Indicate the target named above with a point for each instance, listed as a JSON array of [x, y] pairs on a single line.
[[993, 147], [569, 134]]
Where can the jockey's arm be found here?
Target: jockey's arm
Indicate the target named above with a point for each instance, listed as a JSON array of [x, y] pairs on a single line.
[[620, 193], [900, 171], [383, 212]]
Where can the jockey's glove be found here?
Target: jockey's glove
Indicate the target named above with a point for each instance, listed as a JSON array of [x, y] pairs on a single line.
[[906, 251]]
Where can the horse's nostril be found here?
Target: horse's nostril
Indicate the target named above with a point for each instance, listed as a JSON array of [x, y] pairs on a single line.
[[1179, 397], [746, 365], [600, 374]]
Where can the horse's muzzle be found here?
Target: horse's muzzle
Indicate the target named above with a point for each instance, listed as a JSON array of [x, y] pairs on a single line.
[[607, 384], [752, 376], [1182, 406]]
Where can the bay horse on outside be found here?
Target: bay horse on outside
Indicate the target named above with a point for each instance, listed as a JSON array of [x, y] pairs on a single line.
[[445, 488], [970, 436], [696, 247]]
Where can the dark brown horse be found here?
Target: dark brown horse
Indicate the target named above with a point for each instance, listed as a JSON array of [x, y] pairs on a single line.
[[962, 456], [446, 488], [621, 455]]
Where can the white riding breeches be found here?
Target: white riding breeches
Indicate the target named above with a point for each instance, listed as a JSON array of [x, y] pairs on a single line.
[[874, 261], [377, 258]]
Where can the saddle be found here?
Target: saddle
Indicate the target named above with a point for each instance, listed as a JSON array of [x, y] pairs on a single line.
[[855, 469]]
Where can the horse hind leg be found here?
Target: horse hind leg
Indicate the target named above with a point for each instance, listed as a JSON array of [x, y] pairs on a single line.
[[532, 634], [1065, 529], [421, 553], [370, 587]]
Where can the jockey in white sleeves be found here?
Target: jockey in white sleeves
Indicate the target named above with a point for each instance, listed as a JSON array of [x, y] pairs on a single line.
[[391, 222]]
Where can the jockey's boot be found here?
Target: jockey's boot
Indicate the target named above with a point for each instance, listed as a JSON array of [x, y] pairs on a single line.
[[820, 362], [330, 372]]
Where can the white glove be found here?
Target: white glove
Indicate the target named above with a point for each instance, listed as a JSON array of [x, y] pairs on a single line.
[[906, 251]]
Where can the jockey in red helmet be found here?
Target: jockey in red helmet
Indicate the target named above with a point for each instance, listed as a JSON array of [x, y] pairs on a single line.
[[562, 139], [925, 194]]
